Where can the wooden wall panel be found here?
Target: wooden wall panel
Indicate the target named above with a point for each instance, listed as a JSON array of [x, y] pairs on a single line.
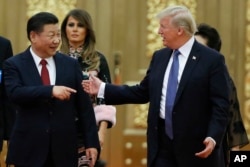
[[13, 23]]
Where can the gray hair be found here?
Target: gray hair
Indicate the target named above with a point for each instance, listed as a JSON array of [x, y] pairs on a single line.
[[180, 17]]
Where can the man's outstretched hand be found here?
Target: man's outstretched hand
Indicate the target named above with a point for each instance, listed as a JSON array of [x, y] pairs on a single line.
[[92, 85]]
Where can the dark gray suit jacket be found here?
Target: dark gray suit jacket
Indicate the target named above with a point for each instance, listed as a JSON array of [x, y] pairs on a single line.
[[201, 104], [43, 122], [7, 112]]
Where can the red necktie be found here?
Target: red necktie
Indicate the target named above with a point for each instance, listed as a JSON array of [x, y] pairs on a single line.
[[45, 73]]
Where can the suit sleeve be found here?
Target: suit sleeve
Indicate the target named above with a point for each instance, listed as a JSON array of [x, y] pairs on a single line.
[[6, 108], [219, 97]]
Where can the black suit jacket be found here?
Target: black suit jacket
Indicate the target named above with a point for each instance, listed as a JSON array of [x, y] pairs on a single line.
[[7, 112], [201, 104], [43, 122]]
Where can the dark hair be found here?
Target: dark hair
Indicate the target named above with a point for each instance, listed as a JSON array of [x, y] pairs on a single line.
[[37, 22], [211, 34]]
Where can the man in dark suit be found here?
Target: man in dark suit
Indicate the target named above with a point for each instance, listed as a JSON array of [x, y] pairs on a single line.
[[7, 112], [199, 117], [45, 132]]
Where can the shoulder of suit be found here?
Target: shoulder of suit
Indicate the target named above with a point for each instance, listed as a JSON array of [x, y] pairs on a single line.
[[3, 39], [4, 43], [163, 51]]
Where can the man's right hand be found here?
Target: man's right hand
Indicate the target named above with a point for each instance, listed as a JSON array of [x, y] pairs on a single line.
[[92, 85], [62, 92]]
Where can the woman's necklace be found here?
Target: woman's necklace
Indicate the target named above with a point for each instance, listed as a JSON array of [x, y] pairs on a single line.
[[75, 52]]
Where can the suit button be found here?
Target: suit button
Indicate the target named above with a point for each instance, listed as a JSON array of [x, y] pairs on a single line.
[[47, 131]]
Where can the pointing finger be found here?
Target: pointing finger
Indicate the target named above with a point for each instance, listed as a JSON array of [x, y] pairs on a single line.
[[71, 90]]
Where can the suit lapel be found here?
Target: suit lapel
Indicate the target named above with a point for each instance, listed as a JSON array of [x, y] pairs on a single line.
[[193, 59], [32, 70], [162, 64], [59, 70]]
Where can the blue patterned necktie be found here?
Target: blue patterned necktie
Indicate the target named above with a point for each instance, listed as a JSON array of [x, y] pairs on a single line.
[[171, 93]]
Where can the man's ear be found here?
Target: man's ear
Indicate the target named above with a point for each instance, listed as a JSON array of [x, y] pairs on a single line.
[[180, 30], [33, 36]]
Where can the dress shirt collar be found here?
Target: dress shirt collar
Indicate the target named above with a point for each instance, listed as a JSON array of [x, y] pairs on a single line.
[[186, 48], [38, 59]]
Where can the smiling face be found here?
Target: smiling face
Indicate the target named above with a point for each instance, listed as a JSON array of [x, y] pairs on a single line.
[[45, 43], [76, 32]]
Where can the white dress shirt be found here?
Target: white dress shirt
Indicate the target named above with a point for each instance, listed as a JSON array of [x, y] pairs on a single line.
[[183, 57], [50, 66]]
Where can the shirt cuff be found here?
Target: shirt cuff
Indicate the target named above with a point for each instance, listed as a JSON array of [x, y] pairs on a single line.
[[101, 90], [212, 140]]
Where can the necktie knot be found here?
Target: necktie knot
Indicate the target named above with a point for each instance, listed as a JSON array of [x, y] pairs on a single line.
[[43, 62], [176, 53]]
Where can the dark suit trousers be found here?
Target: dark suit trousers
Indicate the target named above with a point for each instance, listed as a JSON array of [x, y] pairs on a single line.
[[48, 163], [165, 157]]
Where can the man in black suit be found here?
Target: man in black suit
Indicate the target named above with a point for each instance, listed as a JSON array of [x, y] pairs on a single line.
[[7, 112], [45, 132], [199, 117]]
